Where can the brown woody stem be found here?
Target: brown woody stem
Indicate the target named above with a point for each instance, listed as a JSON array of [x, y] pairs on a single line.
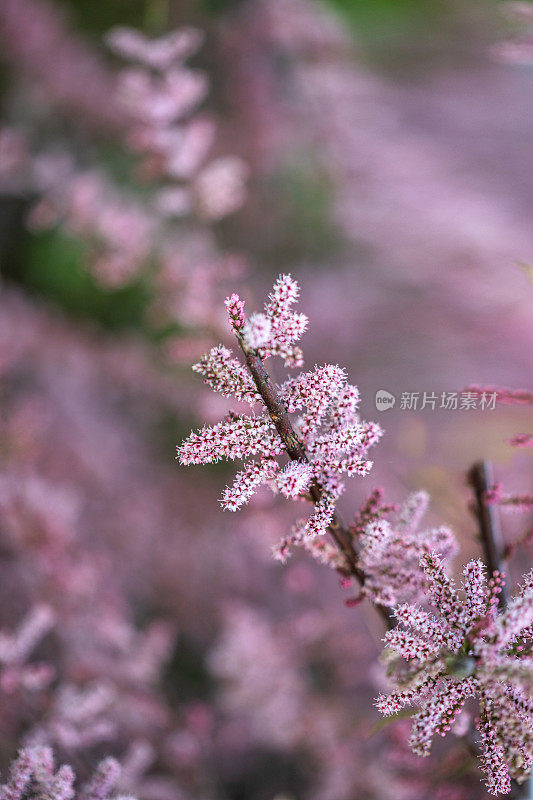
[[296, 451], [481, 479]]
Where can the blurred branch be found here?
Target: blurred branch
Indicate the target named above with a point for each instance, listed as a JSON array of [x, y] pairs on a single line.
[[481, 478]]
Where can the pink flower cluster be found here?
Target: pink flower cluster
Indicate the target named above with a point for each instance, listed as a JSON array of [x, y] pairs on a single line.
[[161, 96], [78, 673], [15, 649], [512, 397], [326, 553], [467, 649], [335, 441], [126, 233], [117, 230], [319, 548], [390, 553], [257, 667], [521, 440], [519, 48], [274, 332], [227, 375], [511, 502], [71, 76], [33, 775]]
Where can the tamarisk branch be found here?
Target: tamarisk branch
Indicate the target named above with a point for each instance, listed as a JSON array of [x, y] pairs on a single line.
[[296, 452]]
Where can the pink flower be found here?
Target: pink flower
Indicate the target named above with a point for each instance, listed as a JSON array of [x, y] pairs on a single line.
[[330, 434], [294, 479], [390, 552], [284, 326], [33, 773], [220, 188], [235, 308], [510, 502], [159, 53], [518, 397], [468, 649], [227, 375], [521, 440]]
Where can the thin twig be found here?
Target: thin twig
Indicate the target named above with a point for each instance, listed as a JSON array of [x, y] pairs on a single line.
[[296, 451], [481, 479]]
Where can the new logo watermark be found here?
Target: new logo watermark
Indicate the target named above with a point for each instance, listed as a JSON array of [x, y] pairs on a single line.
[[384, 400]]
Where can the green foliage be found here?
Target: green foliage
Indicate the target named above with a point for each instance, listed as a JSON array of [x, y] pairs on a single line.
[[220, 6], [97, 16], [397, 35], [385, 17], [297, 200], [52, 266]]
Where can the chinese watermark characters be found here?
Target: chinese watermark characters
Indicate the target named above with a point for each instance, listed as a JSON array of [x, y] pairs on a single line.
[[445, 401]]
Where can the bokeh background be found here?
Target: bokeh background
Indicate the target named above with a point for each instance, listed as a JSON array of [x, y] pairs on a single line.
[[379, 150]]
